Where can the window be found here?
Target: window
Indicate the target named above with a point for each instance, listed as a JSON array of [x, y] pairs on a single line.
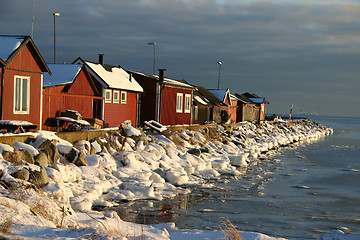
[[108, 95], [116, 96], [123, 97], [21, 95], [179, 103], [187, 107]]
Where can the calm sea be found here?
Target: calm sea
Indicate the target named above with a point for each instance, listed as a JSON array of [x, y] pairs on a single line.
[[297, 192]]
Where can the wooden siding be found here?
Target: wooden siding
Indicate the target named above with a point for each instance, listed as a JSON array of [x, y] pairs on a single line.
[[232, 111], [169, 116], [24, 64], [78, 96], [116, 113], [147, 98]]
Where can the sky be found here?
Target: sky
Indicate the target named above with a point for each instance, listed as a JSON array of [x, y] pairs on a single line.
[[305, 53]]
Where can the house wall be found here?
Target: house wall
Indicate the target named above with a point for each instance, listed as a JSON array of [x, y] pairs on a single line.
[[233, 111], [240, 112], [78, 97], [25, 65], [251, 112], [147, 98], [116, 113], [262, 111], [169, 116], [203, 115]]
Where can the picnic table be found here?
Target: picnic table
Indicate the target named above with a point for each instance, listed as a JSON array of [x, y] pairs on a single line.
[[16, 126]]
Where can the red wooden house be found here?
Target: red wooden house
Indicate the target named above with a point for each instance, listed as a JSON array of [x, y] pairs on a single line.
[[70, 87], [21, 76], [165, 100], [119, 89]]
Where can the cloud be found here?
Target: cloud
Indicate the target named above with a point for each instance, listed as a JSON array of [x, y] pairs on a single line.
[[267, 47]]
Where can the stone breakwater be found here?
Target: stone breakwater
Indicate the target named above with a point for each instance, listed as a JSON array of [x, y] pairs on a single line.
[[132, 164]]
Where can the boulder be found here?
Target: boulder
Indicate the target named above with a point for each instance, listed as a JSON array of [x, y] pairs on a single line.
[[14, 157], [142, 137], [194, 151], [26, 156], [41, 159], [39, 178], [77, 158], [49, 148], [22, 174]]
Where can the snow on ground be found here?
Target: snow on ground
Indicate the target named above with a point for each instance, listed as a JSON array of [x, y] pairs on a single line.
[[130, 167]]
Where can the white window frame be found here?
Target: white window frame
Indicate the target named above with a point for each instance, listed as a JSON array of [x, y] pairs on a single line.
[[18, 107], [123, 97], [179, 102], [116, 99], [187, 107], [108, 100]]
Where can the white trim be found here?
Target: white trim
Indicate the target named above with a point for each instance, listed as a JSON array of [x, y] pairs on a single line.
[[116, 100], [109, 99], [21, 95], [123, 93], [187, 104], [179, 102]]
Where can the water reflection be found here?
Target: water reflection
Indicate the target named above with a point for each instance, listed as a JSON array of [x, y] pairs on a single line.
[[153, 211]]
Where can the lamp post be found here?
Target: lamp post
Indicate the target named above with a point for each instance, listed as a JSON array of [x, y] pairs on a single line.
[[220, 63], [154, 44], [55, 15]]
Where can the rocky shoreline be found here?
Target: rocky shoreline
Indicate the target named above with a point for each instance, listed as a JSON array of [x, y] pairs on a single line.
[[61, 182]]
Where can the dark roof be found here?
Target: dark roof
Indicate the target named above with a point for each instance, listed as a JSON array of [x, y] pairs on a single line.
[[11, 45], [200, 100], [211, 97], [255, 98], [167, 81]]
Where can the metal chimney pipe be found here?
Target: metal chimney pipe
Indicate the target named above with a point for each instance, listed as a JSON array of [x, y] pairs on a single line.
[[101, 59], [161, 76]]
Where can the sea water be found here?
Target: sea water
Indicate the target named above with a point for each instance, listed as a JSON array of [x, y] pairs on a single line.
[[297, 192]]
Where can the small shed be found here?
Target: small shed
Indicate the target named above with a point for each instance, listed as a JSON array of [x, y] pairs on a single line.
[[70, 87], [246, 109], [224, 96], [21, 74], [258, 101], [217, 106], [165, 100], [120, 90]]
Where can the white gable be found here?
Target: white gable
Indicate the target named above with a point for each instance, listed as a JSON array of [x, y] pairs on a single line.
[[117, 78]]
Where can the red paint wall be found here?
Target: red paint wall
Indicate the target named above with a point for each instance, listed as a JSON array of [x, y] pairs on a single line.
[[78, 97], [147, 98], [116, 113], [169, 116], [26, 65], [232, 111]]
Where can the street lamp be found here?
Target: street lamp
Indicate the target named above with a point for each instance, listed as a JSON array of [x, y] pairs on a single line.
[[154, 44], [55, 15], [220, 63]]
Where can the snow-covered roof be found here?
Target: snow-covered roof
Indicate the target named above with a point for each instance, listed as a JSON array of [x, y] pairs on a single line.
[[61, 74], [117, 78], [176, 83], [9, 44], [203, 101], [168, 81], [220, 94], [257, 100]]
